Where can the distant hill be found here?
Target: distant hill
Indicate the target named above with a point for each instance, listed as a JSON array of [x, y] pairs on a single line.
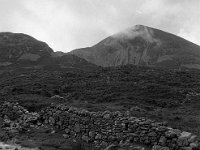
[[142, 45], [18, 46], [21, 50]]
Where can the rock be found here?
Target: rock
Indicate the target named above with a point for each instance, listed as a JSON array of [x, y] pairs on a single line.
[[112, 138], [192, 139], [164, 123], [98, 137], [172, 133], [104, 144], [152, 134], [127, 113], [162, 141], [85, 138], [186, 135], [107, 116], [165, 148], [91, 134], [186, 148], [77, 128], [66, 136], [194, 145], [182, 141], [39, 123], [161, 129], [57, 97], [51, 121], [67, 130], [156, 147], [53, 131], [136, 108]]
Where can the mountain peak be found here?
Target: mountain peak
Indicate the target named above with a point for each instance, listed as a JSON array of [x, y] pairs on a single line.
[[139, 27], [142, 45], [141, 31]]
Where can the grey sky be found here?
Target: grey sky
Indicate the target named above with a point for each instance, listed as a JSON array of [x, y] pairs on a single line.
[[69, 24]]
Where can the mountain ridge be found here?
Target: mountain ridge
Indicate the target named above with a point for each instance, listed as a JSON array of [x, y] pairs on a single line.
[[22, 50]]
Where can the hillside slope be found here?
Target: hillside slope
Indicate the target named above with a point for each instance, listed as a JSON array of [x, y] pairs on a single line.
[[161, 94], [18, 46], [21, 50], [142, 45]]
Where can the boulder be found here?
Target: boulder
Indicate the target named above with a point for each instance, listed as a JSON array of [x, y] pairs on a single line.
[[162, 141], [186, 135], [85, 138], [193, 138], [107, 116], [91, 134], [156, 147], [51, 121], [182, 142], [98, 137], [67, 130], [183, 139], [104, 144], [194, 145], [172, 133], [66, 136], [77, 128], [152, 134]]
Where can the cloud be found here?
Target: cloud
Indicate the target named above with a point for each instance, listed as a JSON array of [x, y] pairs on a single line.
[[69, 24], [138, 30]]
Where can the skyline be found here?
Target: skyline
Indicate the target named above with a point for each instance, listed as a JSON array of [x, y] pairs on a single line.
[[70, 24]]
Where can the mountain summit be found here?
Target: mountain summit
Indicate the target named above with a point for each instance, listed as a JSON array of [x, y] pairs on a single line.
[[142, 45]]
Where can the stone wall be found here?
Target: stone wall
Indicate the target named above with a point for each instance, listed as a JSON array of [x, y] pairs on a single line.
[[104, 128]]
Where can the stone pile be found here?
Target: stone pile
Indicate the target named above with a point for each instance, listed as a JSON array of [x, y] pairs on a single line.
[[101, 128], [17, 117]]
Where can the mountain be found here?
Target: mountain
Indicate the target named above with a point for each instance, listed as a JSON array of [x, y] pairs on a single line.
[[15, 47], [21, 50], [142, 45]]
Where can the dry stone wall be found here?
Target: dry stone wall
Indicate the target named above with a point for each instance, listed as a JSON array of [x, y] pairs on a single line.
[[104, 128]]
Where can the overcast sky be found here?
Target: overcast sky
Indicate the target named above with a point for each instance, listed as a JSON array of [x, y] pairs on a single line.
[[69, 24]]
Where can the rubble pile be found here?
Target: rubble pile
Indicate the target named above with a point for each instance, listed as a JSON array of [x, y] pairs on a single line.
[[102, 128], [17, 117]]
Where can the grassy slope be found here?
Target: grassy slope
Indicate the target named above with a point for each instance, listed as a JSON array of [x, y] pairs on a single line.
[[163, 95]]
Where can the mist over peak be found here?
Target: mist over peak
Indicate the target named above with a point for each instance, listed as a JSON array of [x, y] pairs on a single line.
[[142, 31]]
